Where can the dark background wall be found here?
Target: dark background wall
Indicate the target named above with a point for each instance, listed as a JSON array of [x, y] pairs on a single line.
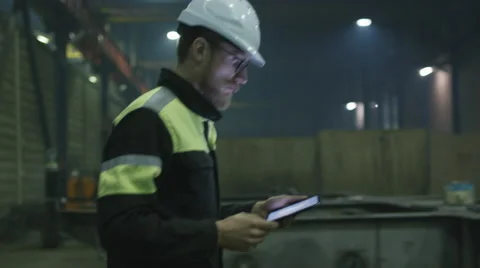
[[470, 87]]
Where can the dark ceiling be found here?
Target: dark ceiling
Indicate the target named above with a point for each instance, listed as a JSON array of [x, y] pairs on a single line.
[[442, 21], [389, 10]]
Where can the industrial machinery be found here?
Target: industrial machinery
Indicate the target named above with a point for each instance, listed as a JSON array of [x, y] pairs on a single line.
[[358, 231], [362, 231]]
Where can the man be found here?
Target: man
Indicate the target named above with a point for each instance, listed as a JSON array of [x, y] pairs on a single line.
[[158, 194]]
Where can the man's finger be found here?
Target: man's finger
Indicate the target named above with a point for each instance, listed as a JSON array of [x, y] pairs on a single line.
[[286, 200], [253, 242], [297, 197], [262, 213], [258, 233], [266, 225]]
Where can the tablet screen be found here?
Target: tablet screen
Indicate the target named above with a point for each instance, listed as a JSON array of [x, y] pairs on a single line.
[[293, 208]]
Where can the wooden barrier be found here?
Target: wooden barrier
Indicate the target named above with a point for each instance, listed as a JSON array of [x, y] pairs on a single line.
[[373, 162], [405, 162], [250, 166], [454, 158]]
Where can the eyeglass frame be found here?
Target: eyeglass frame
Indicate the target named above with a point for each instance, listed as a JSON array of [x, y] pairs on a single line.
[[215, 42]]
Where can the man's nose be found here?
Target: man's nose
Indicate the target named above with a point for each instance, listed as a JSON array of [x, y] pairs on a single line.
[[241, 77]]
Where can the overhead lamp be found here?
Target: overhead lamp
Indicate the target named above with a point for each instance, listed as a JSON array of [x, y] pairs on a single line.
[[351, 106], [364, 22], [43, 39], [93, 79], [425, 71], [173, 35]]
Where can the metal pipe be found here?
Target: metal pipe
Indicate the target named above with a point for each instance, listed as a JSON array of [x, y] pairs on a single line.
[[30, 39], [455, 87], [18, 117], [428, 139], [104, 101], [61, 99]]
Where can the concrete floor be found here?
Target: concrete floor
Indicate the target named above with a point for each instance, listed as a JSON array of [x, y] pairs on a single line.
[[28, 254]]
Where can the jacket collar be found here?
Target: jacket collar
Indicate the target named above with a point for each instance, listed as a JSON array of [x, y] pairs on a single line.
[[188, 95]]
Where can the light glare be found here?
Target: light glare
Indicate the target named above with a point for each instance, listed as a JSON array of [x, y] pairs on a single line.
[[364, 22], [425, 71], [173, 35], [43, 39], [351, 106]]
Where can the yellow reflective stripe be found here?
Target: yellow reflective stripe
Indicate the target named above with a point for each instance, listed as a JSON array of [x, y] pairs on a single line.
[[137, 103], [132, 159], [128, 180], [156, 99], [185, 127], [129, 174], [212, 136]]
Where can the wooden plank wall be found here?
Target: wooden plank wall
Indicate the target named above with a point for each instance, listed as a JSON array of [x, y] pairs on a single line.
[[373, 162], [251, 166], [350, 161], [454, 158], [367, 162]]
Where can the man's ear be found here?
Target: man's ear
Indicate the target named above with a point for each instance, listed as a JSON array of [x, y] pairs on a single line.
[[199, 49]]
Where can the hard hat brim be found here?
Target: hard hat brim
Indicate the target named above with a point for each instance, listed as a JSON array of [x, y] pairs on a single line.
[[257, 59]]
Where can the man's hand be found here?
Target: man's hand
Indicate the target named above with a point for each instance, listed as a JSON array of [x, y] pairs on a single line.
[[243, 231], [262, 208]]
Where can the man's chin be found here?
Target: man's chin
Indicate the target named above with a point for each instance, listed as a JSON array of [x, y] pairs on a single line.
[[224, 105]]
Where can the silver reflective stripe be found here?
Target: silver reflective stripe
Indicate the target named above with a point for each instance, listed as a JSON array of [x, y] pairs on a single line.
[[160, 99], [132, 159]]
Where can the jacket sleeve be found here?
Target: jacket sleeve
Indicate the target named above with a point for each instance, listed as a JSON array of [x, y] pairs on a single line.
[[129, 219], [232, 209]]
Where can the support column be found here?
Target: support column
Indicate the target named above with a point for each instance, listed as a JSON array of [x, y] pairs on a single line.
[[455, 87], [57, 162], [105, 129]]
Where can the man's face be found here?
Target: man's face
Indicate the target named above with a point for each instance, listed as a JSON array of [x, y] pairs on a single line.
[[224, 72]]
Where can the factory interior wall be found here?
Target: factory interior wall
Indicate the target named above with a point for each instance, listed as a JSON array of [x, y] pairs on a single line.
[[302, 163], [22, 150]]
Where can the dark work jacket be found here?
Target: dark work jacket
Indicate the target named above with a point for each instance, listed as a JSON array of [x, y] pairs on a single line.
[[158, 197]]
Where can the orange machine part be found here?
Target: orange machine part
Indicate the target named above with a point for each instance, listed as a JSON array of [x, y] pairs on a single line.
[[80, 192]]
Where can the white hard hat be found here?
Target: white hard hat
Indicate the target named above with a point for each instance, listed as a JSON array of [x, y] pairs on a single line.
[[235, 20]]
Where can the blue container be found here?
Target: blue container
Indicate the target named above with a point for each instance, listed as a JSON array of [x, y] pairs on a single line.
[[460, 193]]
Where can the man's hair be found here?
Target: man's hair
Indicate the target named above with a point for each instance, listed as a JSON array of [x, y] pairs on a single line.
[[188, 34]]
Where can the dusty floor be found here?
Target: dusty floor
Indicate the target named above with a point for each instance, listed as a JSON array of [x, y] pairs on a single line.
[[28, 254]]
